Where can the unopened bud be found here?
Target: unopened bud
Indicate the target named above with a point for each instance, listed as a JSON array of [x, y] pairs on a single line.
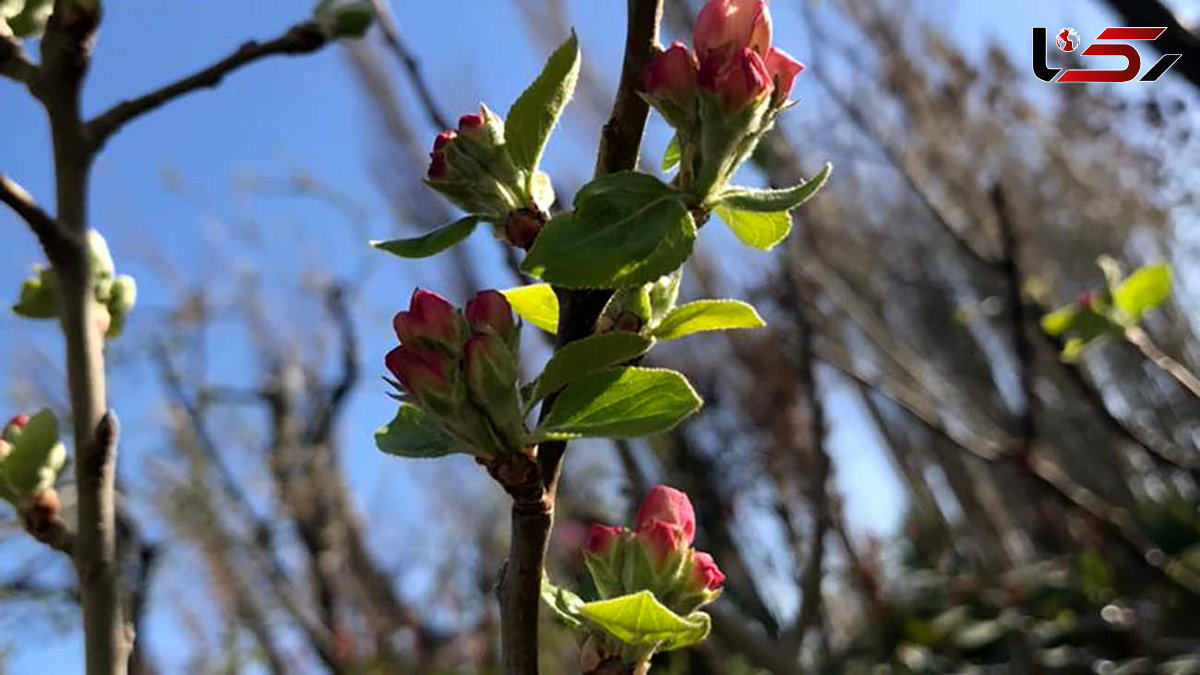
[[489, 313], [424, 374], [430, 322], [705, 575], [739, 83], [522, 227], [725, 27], [783, 70]]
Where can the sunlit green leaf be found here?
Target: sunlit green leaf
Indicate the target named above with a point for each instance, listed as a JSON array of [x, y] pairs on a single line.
[[581, 357], [641, 620], [627, 229], [534, 114], [536, 303], [1143, 290], [761, 230], [620, 403], [671, 155], [704, 315], [771, 201]]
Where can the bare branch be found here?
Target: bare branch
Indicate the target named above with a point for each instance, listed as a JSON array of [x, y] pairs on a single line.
[[47, 229], [14, 64], [303, 38], [391, 35]]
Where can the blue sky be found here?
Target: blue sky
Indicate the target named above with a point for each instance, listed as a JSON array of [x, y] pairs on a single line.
[[308, 114]]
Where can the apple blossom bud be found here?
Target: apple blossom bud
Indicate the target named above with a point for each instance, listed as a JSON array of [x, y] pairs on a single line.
[[425, 375], [661, 541], [1086, 300], [522, 227], [602, 539], [491, 370], [672, 74], [437, 158], [14, 428], [705, 573], [488, 313], [783, 70], [431, 322], [725, 27], [669, 506], [469, 122], [739, 83]]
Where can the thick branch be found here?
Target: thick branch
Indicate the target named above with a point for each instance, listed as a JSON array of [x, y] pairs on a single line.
[[302, 38]]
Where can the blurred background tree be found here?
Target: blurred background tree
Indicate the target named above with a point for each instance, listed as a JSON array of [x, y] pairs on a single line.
[[898, 471]]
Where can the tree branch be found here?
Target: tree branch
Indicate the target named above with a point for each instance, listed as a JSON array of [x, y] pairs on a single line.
[[14, 64], [303, 38], [47, 230], [533, 486], [391, 35], [1139, 338]]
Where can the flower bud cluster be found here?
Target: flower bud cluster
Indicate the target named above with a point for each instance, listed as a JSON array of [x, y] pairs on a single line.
[[471, 167], [462, 368], [29, 466], [723, 96], [656, 555]]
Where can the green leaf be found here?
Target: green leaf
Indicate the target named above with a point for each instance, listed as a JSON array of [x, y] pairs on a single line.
[[36, 457], [566, 605], [627, 229], [1059, 321], [432, 243], [770, 201], [620, 403], [756, 230], [39, 295], [537, 304], [672, 154], [413, 433], [703, 315], [533, 115], [1145, 289], [641, 620], [590, 354]]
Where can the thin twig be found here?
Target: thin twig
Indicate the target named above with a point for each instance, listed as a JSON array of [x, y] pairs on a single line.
[[1139, 338], [390, 29], [303, 38], [47, 230]]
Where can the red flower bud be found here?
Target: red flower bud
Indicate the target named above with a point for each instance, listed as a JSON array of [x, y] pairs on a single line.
[[661, 540], [489, 313], [420, 372], [725, 27], [437, 158], [430, 321], [672, 74], [783, 69], [739, 82], [470, 121], [705, 573], [19, 421], [670, 506], [1086, 299], [603, 539]]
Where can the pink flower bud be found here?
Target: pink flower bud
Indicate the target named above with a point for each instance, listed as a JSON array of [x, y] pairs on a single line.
[[489, 313], [661, 540], [738, 83], [783, 69], [725, 27], [12, 431], [470, 121], [437, 158], [705, 573], [1087, 299], [669, 506], [422, 373], [672, 74], [603, 539], [431, 321]]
